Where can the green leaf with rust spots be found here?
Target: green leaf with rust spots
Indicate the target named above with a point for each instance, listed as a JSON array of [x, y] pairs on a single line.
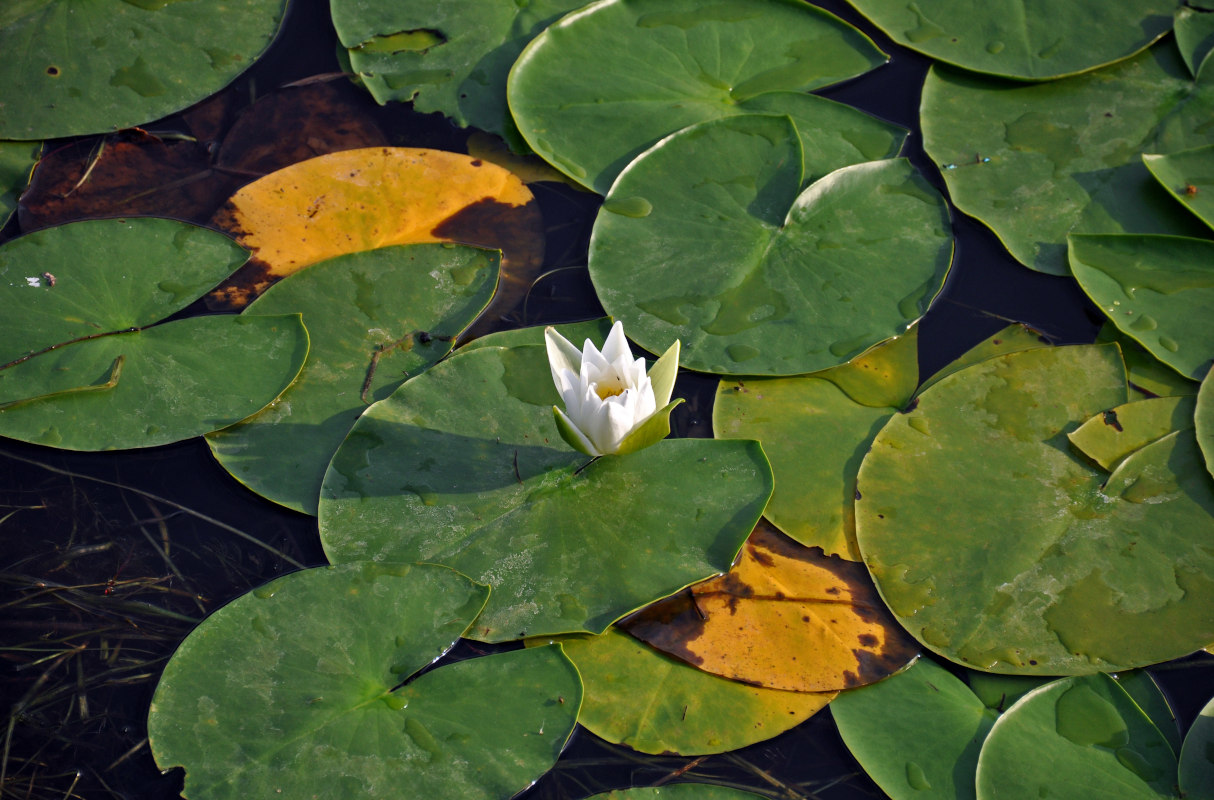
[[77, 68], [1114, 433], [1156, 289], [376, 318], [295, 689], [1197, 757], [451, 57], [1149, 377], [1014, 39], [662, 65], [1203, 419], [1085, 737], [833, 414], [799, 280], [653, 703], [917, 734], [463, 466], [1065, 156], [1188, 176], [1079, 570]]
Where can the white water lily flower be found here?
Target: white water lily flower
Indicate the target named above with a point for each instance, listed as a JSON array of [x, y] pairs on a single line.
[[611, 404]]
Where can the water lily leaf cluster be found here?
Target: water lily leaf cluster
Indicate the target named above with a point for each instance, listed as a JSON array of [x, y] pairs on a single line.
[[452, 58], [1027, 510], [1035, 162], [376, 318], [486, 486], [73, 68], [1080, 569], [799, 280], [321, 668], [834, 414], [924, 733], [665, 66], [85, 364]]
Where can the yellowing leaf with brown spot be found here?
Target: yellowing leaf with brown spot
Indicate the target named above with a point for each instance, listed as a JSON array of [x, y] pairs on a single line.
[[374, 197], [785, 617]]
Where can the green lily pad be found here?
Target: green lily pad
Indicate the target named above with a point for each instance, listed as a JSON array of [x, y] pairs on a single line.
[[98, 276], [1000, 692], [452, 57], [917, 734], [1078, 570], [661, 65], [17, 160], [1148, 376], [1188, 176], [1113, 434], [1156, 289], [833, 414], [85, 369], [1196, 764], [1013, 39], [295, 689], [1147, 695], [463, 466], [796, 282], [812, 502], [1194, 36], [1036, 162], [375, 318], [653, 703], [153, 386], [1203, 420], [1085, 738], [89, 67]]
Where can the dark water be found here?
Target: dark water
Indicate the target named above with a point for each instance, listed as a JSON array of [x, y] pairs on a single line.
[[107, 560]]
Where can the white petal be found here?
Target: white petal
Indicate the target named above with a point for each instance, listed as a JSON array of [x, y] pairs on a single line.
[[561, 354], [646, 403], [616, 346], [619, 424]]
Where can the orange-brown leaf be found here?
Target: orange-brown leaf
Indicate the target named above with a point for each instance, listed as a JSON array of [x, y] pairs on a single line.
[[368, 198], [786, 617]]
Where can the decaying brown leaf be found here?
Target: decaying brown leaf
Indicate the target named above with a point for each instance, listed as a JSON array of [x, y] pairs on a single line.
[[785, 617]]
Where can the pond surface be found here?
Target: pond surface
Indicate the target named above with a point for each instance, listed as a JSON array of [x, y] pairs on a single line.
[[109, 559]]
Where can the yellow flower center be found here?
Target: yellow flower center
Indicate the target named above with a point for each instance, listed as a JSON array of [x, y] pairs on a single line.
[[605, 390]]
